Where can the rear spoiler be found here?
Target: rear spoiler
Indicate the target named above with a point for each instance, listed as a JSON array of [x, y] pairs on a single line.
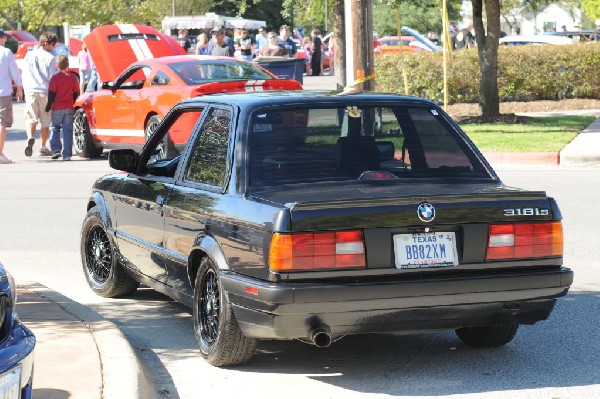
[[246, 86]]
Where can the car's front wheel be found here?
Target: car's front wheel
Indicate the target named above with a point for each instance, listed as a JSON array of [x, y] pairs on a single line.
[[221, 341], [487, 336], [83, 143], [103, 272]]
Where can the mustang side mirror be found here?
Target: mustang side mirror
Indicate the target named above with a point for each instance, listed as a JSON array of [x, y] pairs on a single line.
[[125, 160]]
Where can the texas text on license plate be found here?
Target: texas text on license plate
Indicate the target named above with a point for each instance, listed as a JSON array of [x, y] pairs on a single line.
[[10, 384], [421, 250]]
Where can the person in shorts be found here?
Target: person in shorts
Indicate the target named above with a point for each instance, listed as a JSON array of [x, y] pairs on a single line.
[[63, 90], [9, 75], [37, 71]]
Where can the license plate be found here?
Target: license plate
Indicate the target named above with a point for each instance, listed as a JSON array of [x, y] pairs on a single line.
[[422, 250], [10, 384]]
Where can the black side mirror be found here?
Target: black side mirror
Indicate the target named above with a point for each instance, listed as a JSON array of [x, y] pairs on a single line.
[[125, 160]]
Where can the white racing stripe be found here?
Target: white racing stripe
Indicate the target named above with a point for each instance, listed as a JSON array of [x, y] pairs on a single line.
[[118, 132], [140, 46]]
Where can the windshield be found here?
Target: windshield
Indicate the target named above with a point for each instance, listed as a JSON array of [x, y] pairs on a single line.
[[305, 145], [206, 71]]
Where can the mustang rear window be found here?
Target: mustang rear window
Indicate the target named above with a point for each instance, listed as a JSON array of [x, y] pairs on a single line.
[[132, 36], [304, 145], [205, 71]]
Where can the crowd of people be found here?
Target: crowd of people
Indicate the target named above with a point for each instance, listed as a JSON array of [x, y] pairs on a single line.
[[49, 91], [241, 44]]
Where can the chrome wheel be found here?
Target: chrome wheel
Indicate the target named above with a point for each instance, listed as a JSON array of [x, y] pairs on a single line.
[[79, 131], [99, 255]]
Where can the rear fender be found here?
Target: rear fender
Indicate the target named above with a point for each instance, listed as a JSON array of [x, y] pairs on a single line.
[[205, 246]]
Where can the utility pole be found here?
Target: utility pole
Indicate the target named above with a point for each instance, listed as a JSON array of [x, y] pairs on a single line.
[[360, 71]]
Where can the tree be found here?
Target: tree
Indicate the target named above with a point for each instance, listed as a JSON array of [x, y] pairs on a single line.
[[591, 9], [423, 16], [487, 47]]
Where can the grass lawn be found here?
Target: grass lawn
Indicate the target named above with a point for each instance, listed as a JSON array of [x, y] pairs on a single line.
[[543, 134]]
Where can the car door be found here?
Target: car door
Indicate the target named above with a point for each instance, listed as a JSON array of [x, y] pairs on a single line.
[[139, 206], [196, 203]]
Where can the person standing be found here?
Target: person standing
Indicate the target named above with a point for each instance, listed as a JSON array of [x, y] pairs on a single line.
[[286, 41], [9, 75], [220, 47], [245, 45], [316, 48], [39, 68], [202, 44], [261, 38], [226, 39], [62, 93], [273, 48], [597, 31], [85, 67]]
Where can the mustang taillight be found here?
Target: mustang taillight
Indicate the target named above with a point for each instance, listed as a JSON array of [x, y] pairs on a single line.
[[524, 240], [310, 251]]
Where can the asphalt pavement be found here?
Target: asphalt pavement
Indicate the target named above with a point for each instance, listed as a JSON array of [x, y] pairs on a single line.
[[79, 354]]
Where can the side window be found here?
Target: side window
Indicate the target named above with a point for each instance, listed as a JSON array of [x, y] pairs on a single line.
[[208, 162], [160, 79], [163, 157]]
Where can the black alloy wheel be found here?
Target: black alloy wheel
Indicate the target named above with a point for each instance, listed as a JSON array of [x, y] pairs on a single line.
[[99, 255], [209, 308]]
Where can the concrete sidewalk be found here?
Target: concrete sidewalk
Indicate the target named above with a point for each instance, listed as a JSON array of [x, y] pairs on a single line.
[[78, 354]]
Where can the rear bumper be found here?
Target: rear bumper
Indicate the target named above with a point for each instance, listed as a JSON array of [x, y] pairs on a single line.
[[291, 310]]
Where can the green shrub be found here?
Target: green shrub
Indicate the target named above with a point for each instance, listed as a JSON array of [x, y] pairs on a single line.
[[525, 73]]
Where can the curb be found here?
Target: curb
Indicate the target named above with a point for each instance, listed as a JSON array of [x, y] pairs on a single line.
[[122, 372]]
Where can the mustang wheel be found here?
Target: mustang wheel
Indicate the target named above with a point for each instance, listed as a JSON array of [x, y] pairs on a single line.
[[221, 341], [488, 336], [102, 270], [83, 144]]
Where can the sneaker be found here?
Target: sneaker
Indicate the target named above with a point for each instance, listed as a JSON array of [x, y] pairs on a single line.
[[45, 152], [29, 148], [56, 155], [67, 159], [4, 159]]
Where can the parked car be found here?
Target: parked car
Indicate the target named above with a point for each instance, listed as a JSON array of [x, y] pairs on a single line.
[[576, 36], [393, 44], [145, 81], [521, 40], [17, 344], [310, 216]]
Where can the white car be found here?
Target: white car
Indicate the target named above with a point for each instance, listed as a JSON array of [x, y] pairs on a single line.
[[520, 40]]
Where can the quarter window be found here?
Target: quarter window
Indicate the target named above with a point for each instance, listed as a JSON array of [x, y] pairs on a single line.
[[208, 163]]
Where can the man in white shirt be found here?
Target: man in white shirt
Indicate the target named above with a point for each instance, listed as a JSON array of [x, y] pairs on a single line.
[[9, 75], [39, 66]]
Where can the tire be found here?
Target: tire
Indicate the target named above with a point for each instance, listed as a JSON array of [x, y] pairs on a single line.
[[103, 272], [221, 341], [487, 336], [83, 144], [167, 148]]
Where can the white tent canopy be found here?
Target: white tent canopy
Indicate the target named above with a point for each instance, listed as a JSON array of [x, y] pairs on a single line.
[[208, 21]]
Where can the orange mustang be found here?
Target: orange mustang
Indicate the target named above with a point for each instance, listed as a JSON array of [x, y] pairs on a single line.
[[143, 73]]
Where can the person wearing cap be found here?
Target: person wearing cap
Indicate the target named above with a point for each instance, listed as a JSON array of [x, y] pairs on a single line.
[[216, 31], [286, 40], [220, 46], [9, 75], [39, 68]]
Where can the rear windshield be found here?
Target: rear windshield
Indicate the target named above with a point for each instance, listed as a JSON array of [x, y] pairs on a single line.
[[205, 71], [354, 143]]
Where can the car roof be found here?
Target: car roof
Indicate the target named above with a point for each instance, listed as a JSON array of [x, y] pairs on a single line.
[[22, 35], [114, 47], [253, 100], [535, 39]]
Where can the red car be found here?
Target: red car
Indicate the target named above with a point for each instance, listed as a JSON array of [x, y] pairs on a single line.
[[144, 74]]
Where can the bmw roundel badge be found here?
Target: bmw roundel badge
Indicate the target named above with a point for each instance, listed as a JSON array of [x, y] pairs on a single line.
[[426, 212]]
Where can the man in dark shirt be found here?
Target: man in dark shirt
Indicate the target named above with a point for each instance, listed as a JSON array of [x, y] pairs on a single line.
[[316, 47], [286, 41]]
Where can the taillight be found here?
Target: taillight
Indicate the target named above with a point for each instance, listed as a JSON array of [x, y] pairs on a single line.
[[524, 240], [309, 251]]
